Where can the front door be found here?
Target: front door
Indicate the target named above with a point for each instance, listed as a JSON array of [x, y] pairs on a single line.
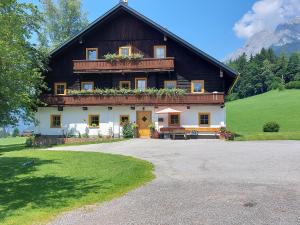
[[144, 120]]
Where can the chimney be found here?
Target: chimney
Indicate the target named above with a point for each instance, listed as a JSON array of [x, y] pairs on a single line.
[[124, 2]]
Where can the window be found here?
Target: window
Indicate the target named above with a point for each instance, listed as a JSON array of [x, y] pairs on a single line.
[[87, 86], [160, 52], [94, 121], [91, 53], [124, 119], [55, 121], [197, 86], [140, 83], [125, 51], [174, 119], [124, 84], [204, 119], [60, 88], [170, 84]]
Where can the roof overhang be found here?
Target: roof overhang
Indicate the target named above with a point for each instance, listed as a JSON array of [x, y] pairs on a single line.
[[156, 26]]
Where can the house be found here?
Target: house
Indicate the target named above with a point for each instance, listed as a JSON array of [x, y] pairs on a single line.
[[111, 71]]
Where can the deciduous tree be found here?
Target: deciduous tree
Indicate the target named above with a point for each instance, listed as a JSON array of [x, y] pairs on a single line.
[[20, 62], [63, 19]]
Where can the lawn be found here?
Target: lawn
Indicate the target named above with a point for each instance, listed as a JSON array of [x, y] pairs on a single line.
[[60, 181], [247, 116]]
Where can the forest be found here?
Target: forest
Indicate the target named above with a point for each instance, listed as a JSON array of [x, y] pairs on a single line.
[[264, 72]]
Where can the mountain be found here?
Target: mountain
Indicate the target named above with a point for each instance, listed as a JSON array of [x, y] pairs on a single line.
[[285, 38]]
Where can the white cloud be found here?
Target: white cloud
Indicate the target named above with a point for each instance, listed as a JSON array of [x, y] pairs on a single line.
[[266, 15]]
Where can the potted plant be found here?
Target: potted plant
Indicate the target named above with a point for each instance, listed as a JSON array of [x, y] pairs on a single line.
[[135, 129], [226, 134], [154, 132]]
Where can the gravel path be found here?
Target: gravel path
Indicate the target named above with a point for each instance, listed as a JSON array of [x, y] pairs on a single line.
[[207, 182]]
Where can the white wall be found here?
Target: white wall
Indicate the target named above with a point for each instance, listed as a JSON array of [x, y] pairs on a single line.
[[74, 119], [189, 117]]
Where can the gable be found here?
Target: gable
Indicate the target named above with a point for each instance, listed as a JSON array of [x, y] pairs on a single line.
[[113, 29]]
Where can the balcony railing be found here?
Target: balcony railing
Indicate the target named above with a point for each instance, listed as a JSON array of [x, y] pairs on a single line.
[[123, 66], [95, 100]]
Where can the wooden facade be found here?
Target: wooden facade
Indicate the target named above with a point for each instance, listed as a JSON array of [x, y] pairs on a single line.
[[123, 26]]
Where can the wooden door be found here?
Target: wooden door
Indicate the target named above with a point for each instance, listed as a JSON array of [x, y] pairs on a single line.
[[143, 121]]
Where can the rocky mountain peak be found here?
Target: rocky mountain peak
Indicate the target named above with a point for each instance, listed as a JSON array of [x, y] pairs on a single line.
[[285, 38]]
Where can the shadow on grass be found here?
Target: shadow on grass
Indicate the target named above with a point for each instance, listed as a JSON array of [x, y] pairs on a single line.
[[11, 148], [20, 188]]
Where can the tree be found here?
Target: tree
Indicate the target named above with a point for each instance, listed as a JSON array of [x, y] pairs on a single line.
[[293, 67], [15, 132], [263, 72], [63, 20], [280, 68], [20, 62]]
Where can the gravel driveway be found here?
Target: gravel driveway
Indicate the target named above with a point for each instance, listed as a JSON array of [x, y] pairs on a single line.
[[207, 182]]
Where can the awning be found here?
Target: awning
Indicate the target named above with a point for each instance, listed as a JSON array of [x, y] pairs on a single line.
[[168, 110]]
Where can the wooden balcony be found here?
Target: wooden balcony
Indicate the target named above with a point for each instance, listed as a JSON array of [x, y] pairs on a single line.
[[96, 100], [122, 66]]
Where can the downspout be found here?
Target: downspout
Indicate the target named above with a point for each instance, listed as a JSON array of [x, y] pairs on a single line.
[[234, 83]]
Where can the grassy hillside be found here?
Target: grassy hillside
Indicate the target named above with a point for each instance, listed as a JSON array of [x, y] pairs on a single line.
[[247, 116]]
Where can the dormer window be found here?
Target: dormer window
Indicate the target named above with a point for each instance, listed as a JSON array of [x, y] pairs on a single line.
[[91, 53], [125, 51], [160, 51]]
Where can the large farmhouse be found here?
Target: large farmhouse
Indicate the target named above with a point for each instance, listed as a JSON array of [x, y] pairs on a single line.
[[126, 68]]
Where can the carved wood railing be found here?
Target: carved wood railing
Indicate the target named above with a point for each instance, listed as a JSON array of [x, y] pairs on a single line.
[[93, 100], [122, 66]]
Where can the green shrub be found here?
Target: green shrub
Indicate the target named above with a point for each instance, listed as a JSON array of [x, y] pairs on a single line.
[[271, 127], [16, 132], [86, 135], [128, 130], [293, 85], [29, 142]]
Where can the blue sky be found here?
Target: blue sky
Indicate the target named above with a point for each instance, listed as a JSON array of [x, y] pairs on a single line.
[[206, 24], [217, 27]]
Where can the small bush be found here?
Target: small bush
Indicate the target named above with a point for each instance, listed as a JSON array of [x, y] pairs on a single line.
[[128, 130], [86, 135], [16, 132], [29, 142], [293, 85], [271, 127]]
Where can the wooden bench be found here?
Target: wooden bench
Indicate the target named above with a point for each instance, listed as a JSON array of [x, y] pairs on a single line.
[[187, 133]]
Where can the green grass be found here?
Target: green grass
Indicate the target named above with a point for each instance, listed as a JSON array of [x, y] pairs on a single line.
[[60, 181], [247, 116]]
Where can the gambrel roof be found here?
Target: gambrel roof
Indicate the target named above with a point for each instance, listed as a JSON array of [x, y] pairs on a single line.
[[164, 31]]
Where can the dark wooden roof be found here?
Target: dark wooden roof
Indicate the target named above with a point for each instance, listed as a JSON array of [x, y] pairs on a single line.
[[167, 33]]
